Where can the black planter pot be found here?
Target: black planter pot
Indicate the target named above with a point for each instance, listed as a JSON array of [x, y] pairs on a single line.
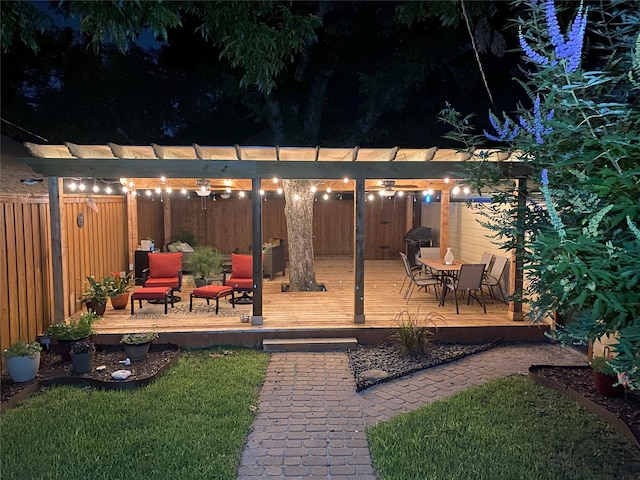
[[136, 352], [82, 362], [63, 347], [98, 308]]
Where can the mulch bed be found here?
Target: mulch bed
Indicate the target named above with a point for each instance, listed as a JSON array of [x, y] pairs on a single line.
[[54, 371]]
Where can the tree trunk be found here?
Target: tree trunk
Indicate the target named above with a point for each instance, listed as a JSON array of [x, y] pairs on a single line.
[[298, 211]]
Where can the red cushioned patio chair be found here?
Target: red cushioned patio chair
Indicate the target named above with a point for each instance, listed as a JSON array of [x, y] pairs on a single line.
[[241, 279], [165, 270]]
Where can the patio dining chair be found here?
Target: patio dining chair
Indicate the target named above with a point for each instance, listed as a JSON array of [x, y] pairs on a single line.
[[487, 259], [493, 279], [417, 278], [415, 268], [469, 281]]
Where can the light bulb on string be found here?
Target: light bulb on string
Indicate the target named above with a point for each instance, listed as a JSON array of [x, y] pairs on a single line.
[[158, 191], [108, 189], [73, 186], [328, 189], [169, 190], [82, 187], [183, 191], [279, 191]]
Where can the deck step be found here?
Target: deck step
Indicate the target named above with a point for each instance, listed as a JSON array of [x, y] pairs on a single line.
[[308, 344]]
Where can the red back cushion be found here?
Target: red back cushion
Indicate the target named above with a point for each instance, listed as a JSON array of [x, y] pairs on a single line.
[[241, 266], [165, 264]]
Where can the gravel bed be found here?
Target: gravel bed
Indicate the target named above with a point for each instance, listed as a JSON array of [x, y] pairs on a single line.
[[372, 365]]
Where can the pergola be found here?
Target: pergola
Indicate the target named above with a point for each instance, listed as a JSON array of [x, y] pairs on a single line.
[[365, 167]]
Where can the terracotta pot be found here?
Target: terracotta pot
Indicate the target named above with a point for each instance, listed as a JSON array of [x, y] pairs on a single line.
[[23, 369], [136, 352], [605, 384], [98, 308], [120, 302]]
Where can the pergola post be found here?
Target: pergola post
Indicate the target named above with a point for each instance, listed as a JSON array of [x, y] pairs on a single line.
[[132, 227], [445, 196], [516, 268], [58, 252], [167, 219], [256, 240], [358, 257]]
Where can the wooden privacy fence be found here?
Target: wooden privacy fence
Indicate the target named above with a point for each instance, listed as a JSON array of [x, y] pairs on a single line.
[[226, 224], [97, 248]]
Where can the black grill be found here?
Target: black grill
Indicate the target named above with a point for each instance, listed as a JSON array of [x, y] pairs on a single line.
[[415, 238]]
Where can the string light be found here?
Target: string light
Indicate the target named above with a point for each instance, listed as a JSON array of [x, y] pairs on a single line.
[[279, 191], [370, 197], [108, 189], [169, 190], [313, 189], [456, 190], [73, 186], [183, 191], [158, 191], [148, 192], [466, 190], [275, 179], [328, 189], [326, 196], [261, 192], [82, 187]]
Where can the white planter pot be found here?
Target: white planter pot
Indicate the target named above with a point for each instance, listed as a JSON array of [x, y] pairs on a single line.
[[23, 369]]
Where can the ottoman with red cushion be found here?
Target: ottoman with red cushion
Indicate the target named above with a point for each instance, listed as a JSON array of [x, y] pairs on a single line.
[[152, 293], [211, 292]]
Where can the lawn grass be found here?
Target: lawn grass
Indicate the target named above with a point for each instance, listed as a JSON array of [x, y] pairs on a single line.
[[507, 429], [191, 423]]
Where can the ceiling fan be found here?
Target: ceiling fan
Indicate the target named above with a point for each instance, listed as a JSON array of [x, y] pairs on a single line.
[[204, 187], [388, 187]]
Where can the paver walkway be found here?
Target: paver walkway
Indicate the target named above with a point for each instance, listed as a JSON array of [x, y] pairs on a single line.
[[311, 422]]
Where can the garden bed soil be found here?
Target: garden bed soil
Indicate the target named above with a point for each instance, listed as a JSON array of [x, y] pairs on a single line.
[[55, 371]]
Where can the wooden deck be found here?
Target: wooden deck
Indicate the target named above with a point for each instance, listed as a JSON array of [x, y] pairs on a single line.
[[325, 314]]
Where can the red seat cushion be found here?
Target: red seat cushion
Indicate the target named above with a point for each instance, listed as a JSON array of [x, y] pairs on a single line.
[[165, 264], [151, 293], [212, 291], [241, 266], [157, 282], [246, 283]]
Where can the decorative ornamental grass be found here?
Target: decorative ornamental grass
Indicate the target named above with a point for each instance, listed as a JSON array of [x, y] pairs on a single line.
[[191, 423]]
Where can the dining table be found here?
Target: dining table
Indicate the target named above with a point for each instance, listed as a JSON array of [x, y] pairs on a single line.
[[441, 270]]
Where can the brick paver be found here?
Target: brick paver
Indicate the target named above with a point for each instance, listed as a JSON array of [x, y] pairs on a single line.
[[311, 423]]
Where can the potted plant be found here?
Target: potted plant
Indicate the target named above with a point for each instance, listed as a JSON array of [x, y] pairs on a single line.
[[82, 353], [118, 286], [202, 262], [136, 345], [66, 333], [95, 296], [605, 378], [22, 360]]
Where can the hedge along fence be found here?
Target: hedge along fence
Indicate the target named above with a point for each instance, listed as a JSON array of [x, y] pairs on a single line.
[[26, 292]]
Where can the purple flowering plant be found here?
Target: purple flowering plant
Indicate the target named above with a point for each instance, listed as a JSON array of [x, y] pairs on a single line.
[[580, 137]]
